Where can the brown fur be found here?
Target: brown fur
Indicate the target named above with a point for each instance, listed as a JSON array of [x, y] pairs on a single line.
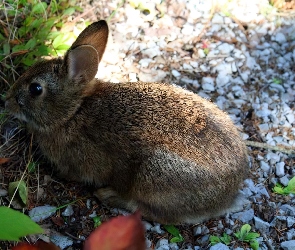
[[148, 146]]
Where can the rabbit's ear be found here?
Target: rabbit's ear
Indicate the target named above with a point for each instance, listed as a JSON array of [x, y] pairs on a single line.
[[95, 35], [82, 64]]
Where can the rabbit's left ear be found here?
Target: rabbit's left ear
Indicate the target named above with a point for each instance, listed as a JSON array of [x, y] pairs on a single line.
[[82, 64], [95, 35]]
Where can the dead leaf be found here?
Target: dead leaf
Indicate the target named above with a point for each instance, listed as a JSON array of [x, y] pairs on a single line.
[[4, 160], [120, 233], [40, 245]]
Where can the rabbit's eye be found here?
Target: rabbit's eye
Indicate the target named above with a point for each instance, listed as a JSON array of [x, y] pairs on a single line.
[[35, 89]]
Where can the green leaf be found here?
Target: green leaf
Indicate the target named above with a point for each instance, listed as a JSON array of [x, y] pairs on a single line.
[[244, 231], [22, 191], [172, 229], [31, 44], [254, 244], [97, 221], [43, 50], [39, 8], [58, 40], [18, 47], [63, 47], [6, 48], [69, 11], [32, 167], [214, 240], [175, 232], [14, 225], [226, 239], [251, 236], [176, 239]]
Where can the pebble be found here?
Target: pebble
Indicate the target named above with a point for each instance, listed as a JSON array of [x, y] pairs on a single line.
[[284, 180], [264, 166], [280, 38], [68, 211], [208, 84], [261, 225], [40, 213], [280, 169], [3, 192], [61, 241], [219, 246], [175, 73], [244, 216], [288, 245]]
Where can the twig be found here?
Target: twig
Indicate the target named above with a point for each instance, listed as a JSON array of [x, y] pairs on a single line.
[[282, 149], [269, 246]]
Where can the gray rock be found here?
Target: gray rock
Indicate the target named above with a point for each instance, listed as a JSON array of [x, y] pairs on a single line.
[[290, 221], [280, 38], [217, 19], [244, 216], [284, 180], [68, 211], [197, 231], [201, 53], [40, 213], [261, 225], [208, 84], [162, 244], [219, 246], [3, 192], [61, 241], [175, 73], [288, 210], [157, 229], [288, 245], [290, 234], [280, 169], [225, 48], [264, 166], [173, 246]]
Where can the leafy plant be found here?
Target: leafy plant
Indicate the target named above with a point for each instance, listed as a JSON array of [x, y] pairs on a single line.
[[175, 232], [290, 189], [14, 225], [245, 235], [226, 239], [97, 221], [32, 30], [277, 80], [18, 190]]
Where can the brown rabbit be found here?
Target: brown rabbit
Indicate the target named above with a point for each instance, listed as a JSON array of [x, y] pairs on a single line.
[[149, 146]]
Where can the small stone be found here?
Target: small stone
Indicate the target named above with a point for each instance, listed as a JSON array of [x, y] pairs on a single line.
[[61, 241], [288, 245], [147, 225], [162, 244], [244, 216], [284, 180], [40, 213], [3, 192], [222, 79], [280, 38], [68, 211], [219, 246], [157, 229], [132, 77], [217, 19], [264, 166], [261, 224], [173, 246], [280, 169], [197, 231], [201, 53], [175, 73], [225, 48], [290, 221], [187, 66], [208, 84], [145, 62], [289, 210]]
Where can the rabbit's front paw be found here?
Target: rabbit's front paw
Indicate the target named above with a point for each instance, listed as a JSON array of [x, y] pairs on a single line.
[[109, 196]]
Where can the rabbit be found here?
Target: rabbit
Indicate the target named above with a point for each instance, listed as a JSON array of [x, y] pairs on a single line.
[[153, 147]]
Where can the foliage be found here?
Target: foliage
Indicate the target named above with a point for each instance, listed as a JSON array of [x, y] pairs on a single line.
[[277, 80], [97, 221], [290, 189], [14, 225], [18, 190], [243, 235], [225, 239], [246, 236], [175, 232], [31, 30]]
